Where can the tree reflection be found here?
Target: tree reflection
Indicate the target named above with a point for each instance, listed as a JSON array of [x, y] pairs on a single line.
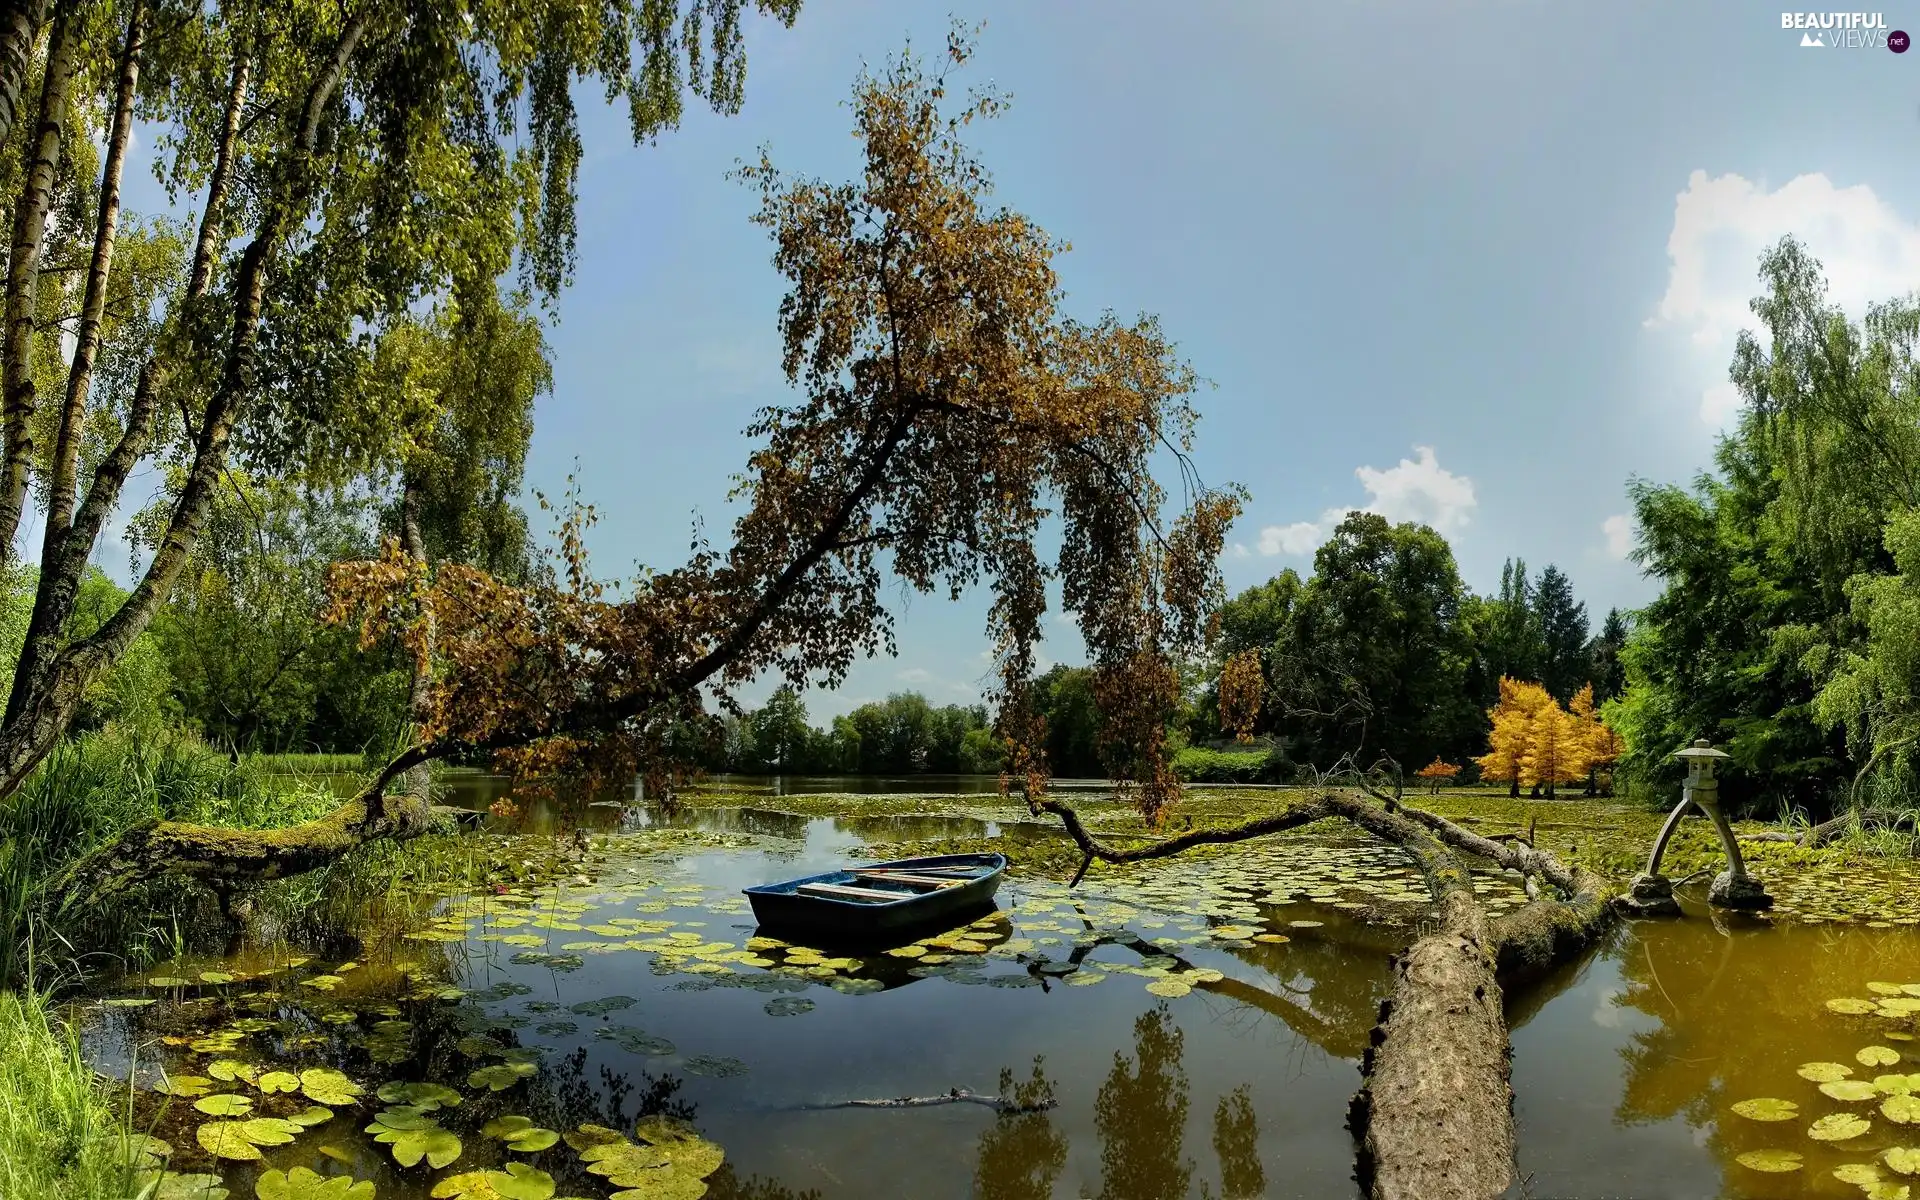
[[1236, 1141], [1141, 1115], [1022, 1155]]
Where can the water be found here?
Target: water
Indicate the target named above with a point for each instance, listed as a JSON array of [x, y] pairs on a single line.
[[1223, 1071]]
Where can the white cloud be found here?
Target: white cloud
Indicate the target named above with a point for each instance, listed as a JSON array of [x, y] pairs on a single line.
[[1619, 533], [1239, 550], [1722, 225], [1418, 489], [915, 675]]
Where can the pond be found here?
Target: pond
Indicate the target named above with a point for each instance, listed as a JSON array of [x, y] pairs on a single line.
[[1196, 1026]]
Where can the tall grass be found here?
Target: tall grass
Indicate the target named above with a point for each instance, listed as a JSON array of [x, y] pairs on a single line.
[[310, 764], [60, 1137], [91, 789]]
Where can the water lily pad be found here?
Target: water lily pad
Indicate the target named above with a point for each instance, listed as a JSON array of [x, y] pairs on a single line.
[[1849, 1091], [130, 1002], [1860, 1175], [168, 981], [1771, 1161], [520, 1133], [1169, 987], [1851, 1006], [1838, 1127], [635, 1041], [278, 1081], [1904, 1159], [1901, 1109], [788, 1006], [302, 1184], [1896, 1085], [224, 1105], [184, 1085], [307, 1118], [424, 1096], [714, 1066], [173, 1185], [1824, 1072], [227, 1139], [416, 1141], [602, 1006], [324, 1086], [231, 1069], [1877, 1056], [518, 1182], [500, 1076], [1766, 1108]]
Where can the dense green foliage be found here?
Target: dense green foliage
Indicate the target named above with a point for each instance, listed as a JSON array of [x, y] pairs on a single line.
[[57, 1130], [902, 734], [1786, 630], [1384, 653]]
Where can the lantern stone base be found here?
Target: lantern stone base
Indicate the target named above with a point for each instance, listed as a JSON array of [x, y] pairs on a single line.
[[1740, 891], [1650, 896]]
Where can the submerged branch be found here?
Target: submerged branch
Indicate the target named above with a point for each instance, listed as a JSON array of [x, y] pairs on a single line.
[[999, 1104]]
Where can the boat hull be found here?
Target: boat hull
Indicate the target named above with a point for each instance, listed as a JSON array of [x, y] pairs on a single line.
[[780, 909]]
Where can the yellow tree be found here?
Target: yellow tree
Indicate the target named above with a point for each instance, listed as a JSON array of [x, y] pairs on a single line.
[[1438, 772], [1509, 741], [1556, 750], [1601, 744]]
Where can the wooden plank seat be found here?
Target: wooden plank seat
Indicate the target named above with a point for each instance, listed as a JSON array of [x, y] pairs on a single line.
[[932, 881], [841, 891]]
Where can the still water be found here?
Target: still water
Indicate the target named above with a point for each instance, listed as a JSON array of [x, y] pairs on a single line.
[[1198, 1027]]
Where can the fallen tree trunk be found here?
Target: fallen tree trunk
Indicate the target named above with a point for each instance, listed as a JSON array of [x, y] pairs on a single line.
[[1434, 1115], [1826, 831]]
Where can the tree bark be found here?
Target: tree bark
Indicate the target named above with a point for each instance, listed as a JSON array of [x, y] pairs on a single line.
[[23, 276], [1434, 1117], [66, 454], [20, 22], [419, 780], [48, 680]]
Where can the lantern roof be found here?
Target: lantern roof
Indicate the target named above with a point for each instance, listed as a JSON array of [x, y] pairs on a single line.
[[1701, 748]]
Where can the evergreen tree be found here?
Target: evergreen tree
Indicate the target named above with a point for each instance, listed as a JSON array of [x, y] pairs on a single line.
[[1561, 622], [1609, 677]]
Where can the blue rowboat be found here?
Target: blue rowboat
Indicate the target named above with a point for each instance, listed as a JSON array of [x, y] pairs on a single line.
[[883, 899]]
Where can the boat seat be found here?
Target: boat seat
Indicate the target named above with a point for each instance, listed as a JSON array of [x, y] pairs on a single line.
[[932, 881], [841, 891]]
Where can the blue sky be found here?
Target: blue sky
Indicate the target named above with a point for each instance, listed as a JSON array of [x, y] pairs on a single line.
[[1474, 263]]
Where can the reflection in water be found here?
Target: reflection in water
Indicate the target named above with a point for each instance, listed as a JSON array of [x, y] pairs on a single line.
[[1022, 1155], [1236, 1140], [1141, 1115]]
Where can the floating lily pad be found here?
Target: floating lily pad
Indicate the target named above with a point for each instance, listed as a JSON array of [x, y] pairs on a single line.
[[1904, 1159], [307, 1118], [240, 1141], [788, 1006], [1850, 1091], [1851, 1006], [224, 1105], [1169, 987], [129, 1002], [1767, 1108], [601, 1007], [423, 1096], [1771, 1161], [184, 1085], [231, 1069], [412, 1140], [635, 1041], [323, 1086], [1838, 1127], [520, 1133], [500, 1076], [302, 1184], [518, 1182], [1896, 1085], [168, 981], [1824, 1072], [1877, 1056], [172, 1185], [714, 1066], [1860, 1175], [1901, 1109], [278, 1081]]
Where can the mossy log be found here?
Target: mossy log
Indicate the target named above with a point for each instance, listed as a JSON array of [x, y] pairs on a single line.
[[224, 858], [1434, 1115]]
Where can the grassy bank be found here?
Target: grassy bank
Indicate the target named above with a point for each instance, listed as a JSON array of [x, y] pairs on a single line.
[[307, 764], [87, 792], [59, 1133]]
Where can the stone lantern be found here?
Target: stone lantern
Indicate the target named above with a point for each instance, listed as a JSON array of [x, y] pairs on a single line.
[[1651, 893]]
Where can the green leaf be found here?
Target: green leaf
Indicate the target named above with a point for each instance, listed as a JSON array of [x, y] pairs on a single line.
[[517, 1182], [501, 1076], [1767, 1109], [278, 1081], [411, 1141], [323, 1086], [224, 1105], [426, 1097], [1771, 1161], [302, 1184]]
